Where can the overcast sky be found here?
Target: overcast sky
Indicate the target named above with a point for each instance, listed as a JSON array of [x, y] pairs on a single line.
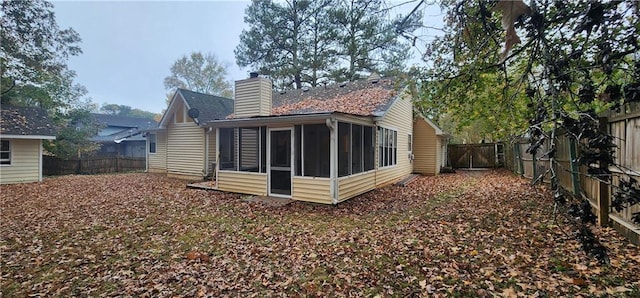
[[129, 47]]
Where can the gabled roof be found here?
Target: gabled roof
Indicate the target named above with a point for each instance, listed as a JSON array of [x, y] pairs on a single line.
[[438, 130], [371, 97], [26, 122], [210, 107]]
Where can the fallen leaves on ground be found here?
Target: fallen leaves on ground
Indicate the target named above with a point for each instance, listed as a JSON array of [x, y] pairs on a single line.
[[484, 235]]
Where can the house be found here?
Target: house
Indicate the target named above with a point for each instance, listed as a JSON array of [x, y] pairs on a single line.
[[322, 145], [122, 135], [22, 130], [182, 146]]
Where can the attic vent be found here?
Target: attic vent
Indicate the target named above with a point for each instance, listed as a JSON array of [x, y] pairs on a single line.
[[305, 89], [375, 81], [343, 84]]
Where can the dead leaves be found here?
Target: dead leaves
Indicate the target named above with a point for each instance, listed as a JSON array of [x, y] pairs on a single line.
[[146, 235], [360, 102]]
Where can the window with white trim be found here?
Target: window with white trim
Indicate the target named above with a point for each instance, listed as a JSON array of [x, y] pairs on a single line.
[[5, 152], [152, 143], [387, 147]]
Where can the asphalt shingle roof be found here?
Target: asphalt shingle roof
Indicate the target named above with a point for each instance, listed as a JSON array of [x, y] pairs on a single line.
[[211, 107], [364, 98], [125, 121], [118, 127], [25, 121]]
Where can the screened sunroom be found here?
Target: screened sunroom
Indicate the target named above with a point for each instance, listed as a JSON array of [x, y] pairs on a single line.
[[304, 157]]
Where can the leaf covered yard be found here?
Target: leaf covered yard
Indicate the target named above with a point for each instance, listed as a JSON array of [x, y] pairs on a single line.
[[465, 234]]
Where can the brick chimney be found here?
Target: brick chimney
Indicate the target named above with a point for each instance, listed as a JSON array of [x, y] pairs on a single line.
[[253, 97]]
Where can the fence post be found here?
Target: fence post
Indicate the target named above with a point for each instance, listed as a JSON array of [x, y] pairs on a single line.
[[117, 163], [79, 168], [520, 159], [573, 156], [603, 187]]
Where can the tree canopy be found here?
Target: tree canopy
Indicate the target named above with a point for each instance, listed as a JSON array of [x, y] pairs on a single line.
[[124, 110], [33, 70], [301, 42], [199, 72], [550, 66]]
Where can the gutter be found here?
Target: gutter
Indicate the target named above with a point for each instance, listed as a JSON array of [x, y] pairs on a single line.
[[244, 122]]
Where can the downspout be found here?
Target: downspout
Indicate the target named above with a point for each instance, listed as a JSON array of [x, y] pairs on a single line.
[[376, 154], [333, 146], [206, 151], [40, 161], [146, 151]]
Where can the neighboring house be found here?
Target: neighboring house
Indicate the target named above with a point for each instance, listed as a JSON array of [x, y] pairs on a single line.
[[22, 130], [182, 146], [323, 145], [121, 135]]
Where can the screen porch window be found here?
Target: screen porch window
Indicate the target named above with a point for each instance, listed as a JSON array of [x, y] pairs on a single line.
[[355, 149], [5, 152], [227, 140], [312, 154], [243, 149]]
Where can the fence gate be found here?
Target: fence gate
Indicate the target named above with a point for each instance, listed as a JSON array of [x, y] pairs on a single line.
[[489, 155]]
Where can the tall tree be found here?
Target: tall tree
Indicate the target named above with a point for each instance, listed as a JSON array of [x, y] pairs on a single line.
[[287, 41], [200, 73], [368, 41], [33, 70], [34, 51]]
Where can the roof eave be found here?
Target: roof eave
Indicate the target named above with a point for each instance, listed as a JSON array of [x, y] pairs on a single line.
[[27, 137]]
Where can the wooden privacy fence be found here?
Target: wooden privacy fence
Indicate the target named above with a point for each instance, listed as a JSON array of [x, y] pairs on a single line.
[[625, 128], [91, 165], [488, 155]]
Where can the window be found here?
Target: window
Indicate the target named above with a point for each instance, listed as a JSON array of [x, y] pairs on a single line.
[[387, 147], [357, 156], [152, 143], [227, 140], [355, 149], [249, 148], [311, 150], [369, 148], [344, 149], [5, 152], [243, 149]]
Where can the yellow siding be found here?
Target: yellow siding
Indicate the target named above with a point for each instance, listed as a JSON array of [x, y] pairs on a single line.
[[310, 189], [399, 117], [185, 149], [426, 149], [351, 186], [25, 162], [252, 97], [243, 182], [158, 160]]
